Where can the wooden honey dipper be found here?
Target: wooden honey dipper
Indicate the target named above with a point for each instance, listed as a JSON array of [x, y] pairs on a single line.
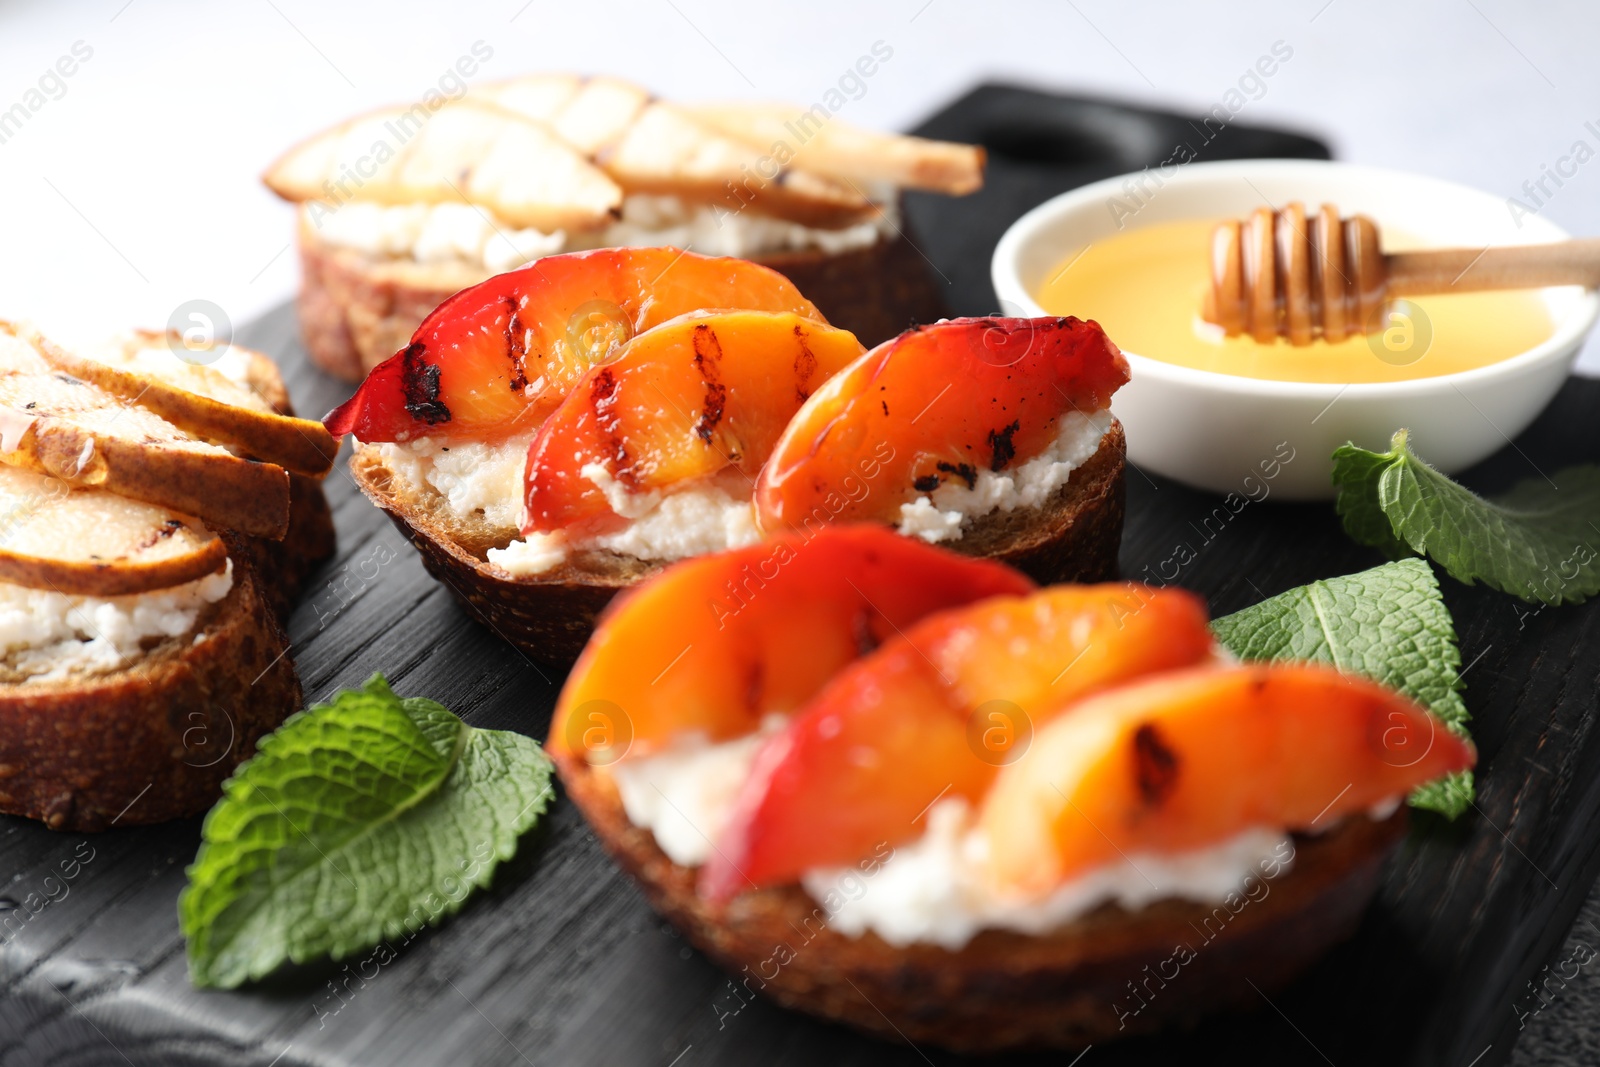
[[1282, 273]]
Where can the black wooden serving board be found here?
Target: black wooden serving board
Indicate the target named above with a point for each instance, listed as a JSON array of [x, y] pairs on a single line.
[[561, 962]]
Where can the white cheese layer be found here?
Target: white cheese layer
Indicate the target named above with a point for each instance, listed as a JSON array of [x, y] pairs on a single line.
[[49, 635], [930, 890], [470, 475], [940, 515], [434, 233], [431, 233], [710, 515], [685, 795]]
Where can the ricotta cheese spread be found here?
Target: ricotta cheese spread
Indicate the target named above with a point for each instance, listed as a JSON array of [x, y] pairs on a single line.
[[435, 233], [49, 635], [930, 890], [710, 515], [940, 515], [471, 476], [685, 795]]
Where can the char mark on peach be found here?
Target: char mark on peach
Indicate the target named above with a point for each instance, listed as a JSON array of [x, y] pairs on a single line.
[[1155, 765], [419, 381], [603, 401], [708, 361], [516, 351], [805, 365], [1003, 450], [965, 471]]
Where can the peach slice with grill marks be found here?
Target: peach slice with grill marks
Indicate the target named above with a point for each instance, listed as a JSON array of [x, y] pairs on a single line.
[[501, 355], [684, 400], [1190, 758], [715, 643], [951, 399], [934, 713]]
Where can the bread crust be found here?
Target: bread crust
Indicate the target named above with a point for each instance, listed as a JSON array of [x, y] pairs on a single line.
[[1075, 537], [548, 617], [1005, 990], [1076, 540], [283, 566], [152, 741], [358, 310]]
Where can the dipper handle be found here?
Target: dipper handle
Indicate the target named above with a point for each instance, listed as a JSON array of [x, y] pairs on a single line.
[[1284, 273]]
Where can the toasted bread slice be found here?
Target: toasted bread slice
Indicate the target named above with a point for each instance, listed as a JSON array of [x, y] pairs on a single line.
[[823, 145], [95, 543], [152, 740], [145, 368], [466, 151], [1074, 537], [1006, 990], [56, 424]]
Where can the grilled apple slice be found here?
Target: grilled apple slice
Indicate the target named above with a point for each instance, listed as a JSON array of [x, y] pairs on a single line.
[[57, 424], [715, 643], [934, 713], [144, 368], [691, 397], [950, 399], [468, 150], [848, 153], [501, 355], [1190, 758], [93, 543]]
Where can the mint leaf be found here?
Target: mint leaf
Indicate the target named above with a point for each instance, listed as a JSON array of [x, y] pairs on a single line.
[[1356, 472], [1538, 542], [1389, 624], [356, 821]]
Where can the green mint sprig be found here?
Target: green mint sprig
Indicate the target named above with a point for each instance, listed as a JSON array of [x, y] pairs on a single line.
[[1540, 541], [357, 821]]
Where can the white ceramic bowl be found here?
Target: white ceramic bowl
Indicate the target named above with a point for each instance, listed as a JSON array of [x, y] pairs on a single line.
[[1215, 431]]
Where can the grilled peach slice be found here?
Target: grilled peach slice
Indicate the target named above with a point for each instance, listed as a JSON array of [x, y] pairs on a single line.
[[703, 392], [951, 399], [715, 643], [1190, 758], [934, 713], [501, 355]]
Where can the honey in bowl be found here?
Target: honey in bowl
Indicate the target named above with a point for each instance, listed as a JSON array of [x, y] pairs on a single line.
[[1145, 287]]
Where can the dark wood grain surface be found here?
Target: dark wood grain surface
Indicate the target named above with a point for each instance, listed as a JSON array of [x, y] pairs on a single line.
[[561, 962]]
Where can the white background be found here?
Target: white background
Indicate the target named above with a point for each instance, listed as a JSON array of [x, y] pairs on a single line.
[[138, 188]]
